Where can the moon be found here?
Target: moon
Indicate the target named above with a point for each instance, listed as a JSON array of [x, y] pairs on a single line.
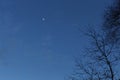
[[43, 19]]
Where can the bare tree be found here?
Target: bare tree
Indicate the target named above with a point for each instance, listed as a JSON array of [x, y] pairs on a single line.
[[111, 23], [100, 60]]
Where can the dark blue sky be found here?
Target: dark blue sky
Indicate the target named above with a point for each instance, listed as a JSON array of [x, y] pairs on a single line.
[[39, 38]]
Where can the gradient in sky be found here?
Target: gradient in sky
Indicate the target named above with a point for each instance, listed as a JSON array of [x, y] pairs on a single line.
[[39, 38]]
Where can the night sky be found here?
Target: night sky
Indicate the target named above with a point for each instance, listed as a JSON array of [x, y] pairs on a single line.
[[40, 38]]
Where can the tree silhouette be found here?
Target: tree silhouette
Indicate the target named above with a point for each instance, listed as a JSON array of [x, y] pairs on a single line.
[[111, 23], [100, 60]]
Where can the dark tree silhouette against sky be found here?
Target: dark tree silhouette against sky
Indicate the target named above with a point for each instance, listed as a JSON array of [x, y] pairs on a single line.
[[101, 60]]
